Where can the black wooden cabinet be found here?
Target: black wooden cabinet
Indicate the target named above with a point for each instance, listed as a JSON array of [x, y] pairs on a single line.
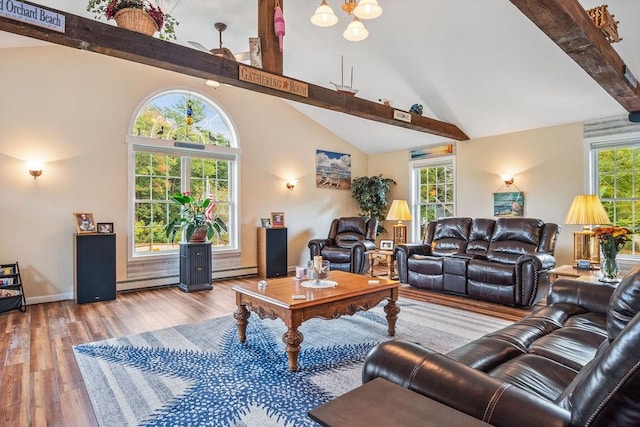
[[195, 267], [272, 252], [95, 267]]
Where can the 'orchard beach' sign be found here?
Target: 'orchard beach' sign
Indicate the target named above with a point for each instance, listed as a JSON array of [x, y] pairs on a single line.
[[31, 14]]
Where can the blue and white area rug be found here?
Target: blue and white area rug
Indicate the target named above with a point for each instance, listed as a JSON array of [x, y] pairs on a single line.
[[200, 375]]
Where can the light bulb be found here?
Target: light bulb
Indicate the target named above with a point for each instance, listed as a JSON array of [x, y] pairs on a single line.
[[324, 16], [355, 32], [367, 9]]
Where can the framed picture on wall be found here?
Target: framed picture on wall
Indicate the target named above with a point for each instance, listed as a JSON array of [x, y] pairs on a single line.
[[277, 219], [508, 203]]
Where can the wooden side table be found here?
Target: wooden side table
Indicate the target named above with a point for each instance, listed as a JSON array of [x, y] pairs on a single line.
[[389, 258], [570, 272]]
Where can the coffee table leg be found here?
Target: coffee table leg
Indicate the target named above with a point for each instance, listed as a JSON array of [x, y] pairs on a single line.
[[392, 311], [292, 340], [242, 318]]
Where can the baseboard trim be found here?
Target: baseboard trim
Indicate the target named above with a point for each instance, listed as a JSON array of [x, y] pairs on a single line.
[[49, 298]]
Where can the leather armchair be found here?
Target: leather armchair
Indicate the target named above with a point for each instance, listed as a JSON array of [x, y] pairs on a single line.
[[348, 244]]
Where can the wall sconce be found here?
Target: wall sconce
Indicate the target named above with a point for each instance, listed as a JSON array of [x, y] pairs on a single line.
[[35, 169], [507, 178], [291, 184]]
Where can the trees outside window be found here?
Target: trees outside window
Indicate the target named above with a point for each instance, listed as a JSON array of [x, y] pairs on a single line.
[[434, 184], [617, 183]]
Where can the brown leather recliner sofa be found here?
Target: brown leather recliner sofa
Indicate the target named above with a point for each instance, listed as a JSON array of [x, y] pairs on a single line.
[[347, 244], [575, 362], [505, 260]]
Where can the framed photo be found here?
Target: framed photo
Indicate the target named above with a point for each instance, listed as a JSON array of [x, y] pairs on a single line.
[[84, 222], [508, 204], [266, 222], [277, 219], [105, 227], [386, 245]]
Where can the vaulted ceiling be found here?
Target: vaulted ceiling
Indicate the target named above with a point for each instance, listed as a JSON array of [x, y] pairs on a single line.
[[481, 65]]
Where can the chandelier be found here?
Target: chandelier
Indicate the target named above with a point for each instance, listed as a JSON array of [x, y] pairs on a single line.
[[355, 32]]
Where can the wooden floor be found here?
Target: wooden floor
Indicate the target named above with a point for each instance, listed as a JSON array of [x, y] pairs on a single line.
[[40, 383]]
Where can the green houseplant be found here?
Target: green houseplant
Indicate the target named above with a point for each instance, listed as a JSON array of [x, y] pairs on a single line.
[[195, 216], [370, 193], [164, 23]]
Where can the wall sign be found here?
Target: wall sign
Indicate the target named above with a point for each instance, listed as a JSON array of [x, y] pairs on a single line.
[[273, 81], [31, 14]]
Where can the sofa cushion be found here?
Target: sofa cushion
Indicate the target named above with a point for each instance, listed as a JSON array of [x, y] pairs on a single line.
[[526, 230], [480, 236], [450, 236], [336, 254], [536, 374], [624, 303]]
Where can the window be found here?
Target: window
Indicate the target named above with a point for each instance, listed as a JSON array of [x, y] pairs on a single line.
[[180, 141], [616, 180], [434, 192]]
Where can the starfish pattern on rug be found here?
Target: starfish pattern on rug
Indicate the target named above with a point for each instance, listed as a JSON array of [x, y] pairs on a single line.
[[224, 385]]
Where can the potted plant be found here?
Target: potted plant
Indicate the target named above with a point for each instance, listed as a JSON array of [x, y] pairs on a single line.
[[155, 20], [196, 219], [370, 193]]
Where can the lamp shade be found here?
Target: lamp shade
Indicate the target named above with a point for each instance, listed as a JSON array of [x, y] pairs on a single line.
[[399, 211], [324, 16], [367, 9], [355, 31], [587, 209]]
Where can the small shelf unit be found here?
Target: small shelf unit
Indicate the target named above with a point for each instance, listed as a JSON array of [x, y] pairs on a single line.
[[11, 291]]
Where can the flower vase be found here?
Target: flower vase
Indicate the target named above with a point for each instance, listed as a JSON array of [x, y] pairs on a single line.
[[609, 267]]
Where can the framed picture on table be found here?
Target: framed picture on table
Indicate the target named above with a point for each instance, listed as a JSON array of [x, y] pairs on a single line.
[[277, 219], [386, 245], [105, 227], [84, 222]]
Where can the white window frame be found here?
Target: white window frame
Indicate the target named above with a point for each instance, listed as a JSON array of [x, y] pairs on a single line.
[[415, 167], [163, 146], [592, 145]]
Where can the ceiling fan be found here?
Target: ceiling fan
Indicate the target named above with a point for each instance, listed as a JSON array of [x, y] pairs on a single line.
[[222, 52]]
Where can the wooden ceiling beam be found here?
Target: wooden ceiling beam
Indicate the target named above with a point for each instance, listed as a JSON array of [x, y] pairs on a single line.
[[94, 36], [567, 23], [270, 46]]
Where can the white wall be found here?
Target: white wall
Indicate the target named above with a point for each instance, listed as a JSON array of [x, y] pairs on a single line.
[[71, 109]]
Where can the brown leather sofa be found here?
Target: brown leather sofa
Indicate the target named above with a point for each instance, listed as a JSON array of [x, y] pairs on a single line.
[[504, 261], [575, 362], [348, 244]]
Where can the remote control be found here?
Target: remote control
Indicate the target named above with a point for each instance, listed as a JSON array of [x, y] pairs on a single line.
[[299, 296], [374, 282]]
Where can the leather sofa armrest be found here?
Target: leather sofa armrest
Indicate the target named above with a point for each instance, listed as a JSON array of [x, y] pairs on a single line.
[[403, 253], [532, 282], [360, 256], [465, 389], [592, 297], [316, 245]]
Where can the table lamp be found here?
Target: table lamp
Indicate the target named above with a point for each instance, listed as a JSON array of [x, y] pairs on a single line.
[[399, 211], [586, 210]]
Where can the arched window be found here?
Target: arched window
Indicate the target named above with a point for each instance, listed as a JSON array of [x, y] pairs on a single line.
[[180, 141]]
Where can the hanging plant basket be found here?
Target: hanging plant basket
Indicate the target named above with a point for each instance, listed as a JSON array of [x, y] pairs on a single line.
[[136, 20]]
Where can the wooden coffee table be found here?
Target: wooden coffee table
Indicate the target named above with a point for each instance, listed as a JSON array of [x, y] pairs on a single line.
[[353, 293]]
